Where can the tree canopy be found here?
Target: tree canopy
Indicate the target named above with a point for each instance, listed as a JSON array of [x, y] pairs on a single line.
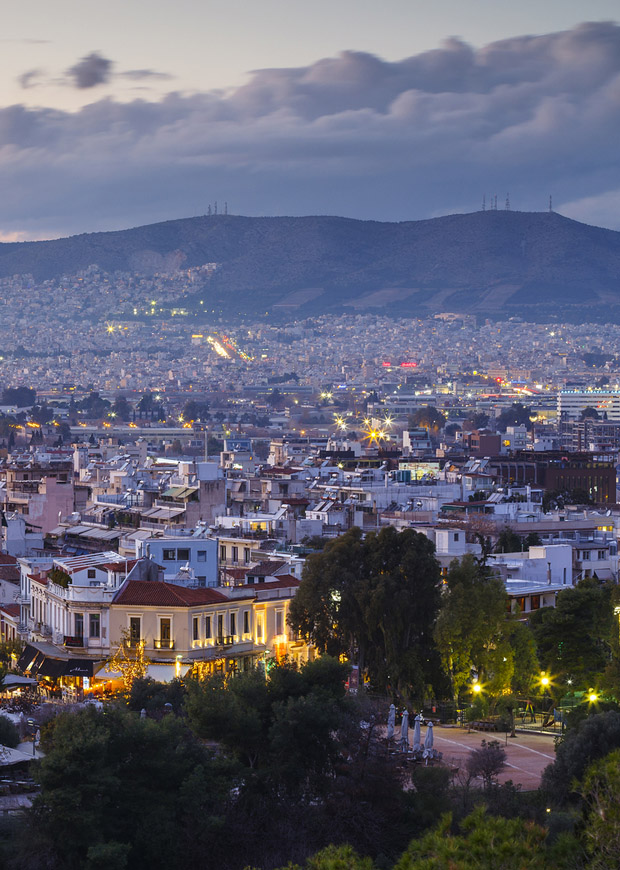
[[427, 417], [517, 415], [375, 600]]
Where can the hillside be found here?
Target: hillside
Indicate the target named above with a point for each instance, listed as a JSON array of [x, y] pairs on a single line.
[[494, 262]]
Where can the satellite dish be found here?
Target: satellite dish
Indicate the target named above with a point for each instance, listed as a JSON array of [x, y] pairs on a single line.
[[607, 513]]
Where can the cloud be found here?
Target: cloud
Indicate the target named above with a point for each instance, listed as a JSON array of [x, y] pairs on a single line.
[[353, 135], [90, 71], [31, 78], [138, 74]]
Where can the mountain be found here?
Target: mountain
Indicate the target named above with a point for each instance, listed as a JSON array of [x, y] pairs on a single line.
[[534, 265]]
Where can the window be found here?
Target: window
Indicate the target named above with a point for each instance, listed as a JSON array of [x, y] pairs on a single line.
[[92, 573], [135, 630], [195, 628], [279, 621], [169, 556], [235, 554], [220, 625], [535, 602], [165, 632], [207, 627], [585, 555], [94, 625], [183, 555], [233, 623], [246, 621], [259, 628], [79, 624], [602, 554], [456, 536], [246, 555], [201, 556], [223, 553]]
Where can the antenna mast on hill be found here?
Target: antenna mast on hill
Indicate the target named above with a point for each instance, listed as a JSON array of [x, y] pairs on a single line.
[[225, 208], [550, 204], [209, 210], [484, 202], [507, 206], [215, 207]]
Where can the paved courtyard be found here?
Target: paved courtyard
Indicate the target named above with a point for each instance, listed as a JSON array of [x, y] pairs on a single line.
[[527, 754]]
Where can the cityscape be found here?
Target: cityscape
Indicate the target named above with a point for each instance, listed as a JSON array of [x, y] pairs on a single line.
[[310, 504]]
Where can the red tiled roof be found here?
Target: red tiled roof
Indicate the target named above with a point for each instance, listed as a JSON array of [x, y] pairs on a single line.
[[10, 609], [156, 592], [284, 581], [267, 569], [5, 559]]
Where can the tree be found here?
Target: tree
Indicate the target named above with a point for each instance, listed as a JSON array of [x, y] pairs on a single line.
[[470, 621], [532, 540], [486, 763], [594, 738], [9, 735], [129, 660], [427, 417], [121, 408], [283, 727], [145, 790], [375, 600], [484, 843], [517, 415], [21, 397], [600, 790], [477, 421], [589, 413], [508, 541], [573, 638]]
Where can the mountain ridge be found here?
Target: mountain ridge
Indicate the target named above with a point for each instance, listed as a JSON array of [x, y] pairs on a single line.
[[493, 262]]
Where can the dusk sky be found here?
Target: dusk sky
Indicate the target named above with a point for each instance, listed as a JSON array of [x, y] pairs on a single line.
[[125, 113]]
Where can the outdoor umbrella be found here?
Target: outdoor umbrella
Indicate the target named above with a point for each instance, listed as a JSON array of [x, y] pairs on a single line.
[[391, 722], [416, 732], [428, 743], [404, 732]]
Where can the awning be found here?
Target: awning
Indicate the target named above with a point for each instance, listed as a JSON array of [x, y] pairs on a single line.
[[52, 668], [30, 659], [13, 681], [79, 668]]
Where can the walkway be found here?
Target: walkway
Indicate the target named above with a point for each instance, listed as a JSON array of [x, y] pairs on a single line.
[[527, 754]]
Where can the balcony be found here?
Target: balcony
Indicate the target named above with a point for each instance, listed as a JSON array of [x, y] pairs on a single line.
[[73, 640], [163, 643], [225, 640]]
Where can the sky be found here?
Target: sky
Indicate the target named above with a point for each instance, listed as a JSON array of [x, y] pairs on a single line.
[[132, 112]]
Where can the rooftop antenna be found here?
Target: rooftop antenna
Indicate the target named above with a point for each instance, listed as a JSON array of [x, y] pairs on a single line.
[[550, 204], [209, 210], [215, 207], [225, 208], [484, 202], [495, 203], [507, 206]]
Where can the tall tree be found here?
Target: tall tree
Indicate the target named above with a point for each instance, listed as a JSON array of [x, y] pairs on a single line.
[[375, 600], [470, 622], [428, 417]]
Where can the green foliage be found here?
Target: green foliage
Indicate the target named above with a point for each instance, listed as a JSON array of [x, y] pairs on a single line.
[[128, 781], [574, 637], [600, 790], [517, 415], [594, 738], [508, 541], [375, 600], [487, 762], [427, 417], [470, 624], [484, 843], [335, 858], [21, 397], [283, 726], [9, 735], [59, 577], [589, 413], [147, 694]]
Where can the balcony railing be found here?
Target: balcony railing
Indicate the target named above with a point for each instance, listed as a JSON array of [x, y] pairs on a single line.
[[73, 640], [225, 639], [163, 643]]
